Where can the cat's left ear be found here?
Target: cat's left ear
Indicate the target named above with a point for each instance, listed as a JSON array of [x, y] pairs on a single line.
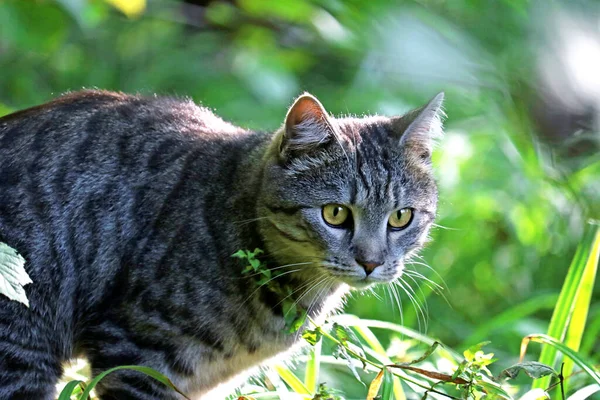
[[421, 127], [307, 126]]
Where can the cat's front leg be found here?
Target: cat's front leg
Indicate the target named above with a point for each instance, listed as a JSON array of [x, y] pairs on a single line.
[[29, 365], [113, 346]]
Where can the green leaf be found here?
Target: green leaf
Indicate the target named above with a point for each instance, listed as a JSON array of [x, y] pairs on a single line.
[[291, 379], [312, 336], [298, 321], [471, 352], [240, 254], [568, 318], [533, 369], [13, 275], [67, 391], [341, 352], [427, 353], [387, 389], [145, 370]]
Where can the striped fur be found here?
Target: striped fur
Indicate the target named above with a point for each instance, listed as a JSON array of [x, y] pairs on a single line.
[[127, 210]]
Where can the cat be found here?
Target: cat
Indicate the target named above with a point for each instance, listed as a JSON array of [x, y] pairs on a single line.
[[128, 210]]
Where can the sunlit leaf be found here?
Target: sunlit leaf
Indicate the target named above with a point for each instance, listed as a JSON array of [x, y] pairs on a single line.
[[375, 385], [291, 379], [312, 336], [68, 390], [577, 283], [13, 275]]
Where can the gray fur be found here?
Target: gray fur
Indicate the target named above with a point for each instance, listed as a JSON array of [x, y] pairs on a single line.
[[128, 209]]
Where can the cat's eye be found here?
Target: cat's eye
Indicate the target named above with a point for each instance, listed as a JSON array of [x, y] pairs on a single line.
[[400, 219], [335, 214]]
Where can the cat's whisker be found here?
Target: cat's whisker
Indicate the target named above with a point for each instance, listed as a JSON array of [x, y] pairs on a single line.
[[445, 227], [437, 289], [248, 221], [423, 297], [263, 284], [428, 267], [298, 289], [413, 299], [277, 268], [433, 285], [394, 296], [374, 293]]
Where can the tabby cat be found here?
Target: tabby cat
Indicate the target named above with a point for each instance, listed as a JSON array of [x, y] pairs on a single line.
[[128, 209]]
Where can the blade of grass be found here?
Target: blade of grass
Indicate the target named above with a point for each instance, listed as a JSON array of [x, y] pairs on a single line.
[[592, 332], [567, 299], [311, 374], [291, 379], [370, 338], [67, 391], [145, 370], [582, 303]]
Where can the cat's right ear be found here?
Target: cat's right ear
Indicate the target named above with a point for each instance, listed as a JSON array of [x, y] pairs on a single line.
[[307, 127]]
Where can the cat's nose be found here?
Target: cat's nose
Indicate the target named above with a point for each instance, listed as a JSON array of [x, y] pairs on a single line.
[[369, 266]]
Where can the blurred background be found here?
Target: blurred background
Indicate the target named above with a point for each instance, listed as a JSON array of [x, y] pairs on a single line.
[[519, 167]]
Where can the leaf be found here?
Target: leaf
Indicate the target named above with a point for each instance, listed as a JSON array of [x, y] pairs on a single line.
[[291, 379], [145, 370], [387, 391], [349, 339], [586, 258], [472, 351], [375, 385], [13, 275], [298, 321], [312, 336], [67, 391], [427, 353], [341, 352], [240, 254], [533, 369]]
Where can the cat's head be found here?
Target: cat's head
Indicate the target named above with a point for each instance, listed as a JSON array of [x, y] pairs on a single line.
[[349, 198]]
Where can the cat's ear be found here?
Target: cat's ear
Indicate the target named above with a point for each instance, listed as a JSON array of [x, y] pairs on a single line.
[[307, 126], [420, 128]]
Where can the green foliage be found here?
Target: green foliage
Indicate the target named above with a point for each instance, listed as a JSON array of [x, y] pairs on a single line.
[[13, 275], [512, 207]]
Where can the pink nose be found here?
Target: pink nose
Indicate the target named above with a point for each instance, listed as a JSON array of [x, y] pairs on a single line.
[[369, 266]]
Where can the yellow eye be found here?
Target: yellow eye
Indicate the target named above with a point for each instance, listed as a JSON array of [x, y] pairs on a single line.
[[335, 214], [400, 218]]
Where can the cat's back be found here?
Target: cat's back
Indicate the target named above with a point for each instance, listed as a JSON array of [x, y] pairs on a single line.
[[84, 174], [94, 114]]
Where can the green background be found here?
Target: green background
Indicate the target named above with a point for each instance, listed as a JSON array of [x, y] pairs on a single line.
[[518, 178]]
